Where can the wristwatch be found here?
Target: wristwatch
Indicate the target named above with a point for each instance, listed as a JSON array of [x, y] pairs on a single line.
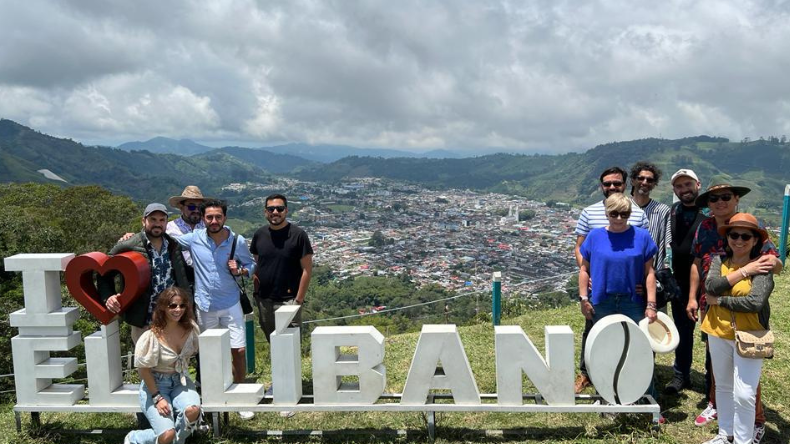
[[584, 298]]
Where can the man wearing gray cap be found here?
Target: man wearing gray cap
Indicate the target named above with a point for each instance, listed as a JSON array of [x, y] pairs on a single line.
[[167, 269]]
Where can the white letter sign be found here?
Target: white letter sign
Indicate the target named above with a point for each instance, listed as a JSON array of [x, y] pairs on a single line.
[[440, 363], [516, 353]]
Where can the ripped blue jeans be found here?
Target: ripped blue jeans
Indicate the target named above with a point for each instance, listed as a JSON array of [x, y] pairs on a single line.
[[180, 397]]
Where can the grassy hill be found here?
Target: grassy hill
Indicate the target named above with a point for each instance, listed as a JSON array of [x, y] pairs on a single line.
[[478, 340], [142, 175]]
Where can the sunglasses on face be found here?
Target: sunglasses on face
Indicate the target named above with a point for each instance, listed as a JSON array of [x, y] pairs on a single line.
[[192, 207], [278, 208], [646, 179], [723, 197], [736, 236], [174, 306], [615, 183], [620, 214]]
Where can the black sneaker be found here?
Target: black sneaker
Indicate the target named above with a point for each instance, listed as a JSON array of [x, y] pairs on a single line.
[[677, 384]]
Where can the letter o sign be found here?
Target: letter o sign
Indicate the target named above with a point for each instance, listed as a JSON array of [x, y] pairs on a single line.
[[619, 359]]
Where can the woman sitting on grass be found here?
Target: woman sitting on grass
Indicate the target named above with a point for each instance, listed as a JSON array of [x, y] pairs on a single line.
[[167, 395]]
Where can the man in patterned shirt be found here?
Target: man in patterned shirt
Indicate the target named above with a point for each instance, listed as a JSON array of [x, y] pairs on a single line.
[[612, 181], [722, 199], [167, 269], [644, 178]]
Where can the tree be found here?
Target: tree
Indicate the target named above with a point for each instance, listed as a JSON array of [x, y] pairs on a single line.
[[526, 215], [47, 219], [378, 239]]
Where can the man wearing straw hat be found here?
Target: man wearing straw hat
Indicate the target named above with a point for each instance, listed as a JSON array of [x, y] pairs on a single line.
[[189, 203]]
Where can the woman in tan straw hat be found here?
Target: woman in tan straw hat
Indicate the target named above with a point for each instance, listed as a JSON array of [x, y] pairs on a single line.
[[737, 289]]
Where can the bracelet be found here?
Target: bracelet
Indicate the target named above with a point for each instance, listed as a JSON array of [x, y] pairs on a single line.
[[154, 394], [651, 305], [584, 298], [743, 273], [157, 398], [651, 308]]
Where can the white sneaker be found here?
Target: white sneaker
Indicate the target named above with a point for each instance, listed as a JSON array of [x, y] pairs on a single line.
[[759, 433], [719, 439], [287, 414], [246, 416], [707, 416], [126, 439]]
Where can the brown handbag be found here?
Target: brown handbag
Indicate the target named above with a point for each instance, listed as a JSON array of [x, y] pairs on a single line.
[[753, 344]]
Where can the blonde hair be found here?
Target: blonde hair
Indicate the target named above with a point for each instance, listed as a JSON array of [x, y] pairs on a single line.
[[617, 202]]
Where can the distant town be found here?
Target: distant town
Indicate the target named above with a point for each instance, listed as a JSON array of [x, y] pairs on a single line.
[[452, 238]]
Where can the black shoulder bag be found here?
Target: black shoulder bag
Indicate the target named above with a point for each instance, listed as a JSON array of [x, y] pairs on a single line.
[[246, 305]]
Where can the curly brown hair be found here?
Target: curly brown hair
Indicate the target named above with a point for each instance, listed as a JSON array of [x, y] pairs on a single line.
[[159, 321]]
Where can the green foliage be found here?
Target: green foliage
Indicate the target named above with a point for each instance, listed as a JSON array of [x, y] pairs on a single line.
[[379, 240], [526, 215], [48, 219], [140, 174]]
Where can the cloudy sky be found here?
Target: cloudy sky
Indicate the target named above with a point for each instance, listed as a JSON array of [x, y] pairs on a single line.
[[552, 76]]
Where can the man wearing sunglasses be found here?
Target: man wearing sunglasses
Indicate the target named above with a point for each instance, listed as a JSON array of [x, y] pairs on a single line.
[[284, 258], [722, 200], [216, 291], [612, 180], [644, 178], [189, 203]]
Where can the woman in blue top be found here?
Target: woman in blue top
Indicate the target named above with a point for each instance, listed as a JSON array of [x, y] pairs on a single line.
[[616, 260]]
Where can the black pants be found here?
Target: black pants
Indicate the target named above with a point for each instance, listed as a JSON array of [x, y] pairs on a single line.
[[587, 327], [685, 326]]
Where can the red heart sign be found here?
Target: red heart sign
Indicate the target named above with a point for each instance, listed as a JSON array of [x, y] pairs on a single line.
[[79, 279]]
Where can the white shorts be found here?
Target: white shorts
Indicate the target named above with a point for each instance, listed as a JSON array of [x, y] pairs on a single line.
[[231, 318]]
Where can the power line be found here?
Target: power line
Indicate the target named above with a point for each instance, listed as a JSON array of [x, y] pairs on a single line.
[[389, 310]]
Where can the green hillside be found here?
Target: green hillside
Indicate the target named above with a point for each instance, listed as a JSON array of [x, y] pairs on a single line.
[[760, 165], [140, 174], [478, 341]]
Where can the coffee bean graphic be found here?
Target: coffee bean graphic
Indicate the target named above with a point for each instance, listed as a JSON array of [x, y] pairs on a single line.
[[619, 359]]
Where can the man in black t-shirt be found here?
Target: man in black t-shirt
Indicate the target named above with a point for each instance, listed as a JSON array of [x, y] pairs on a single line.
[[284, 257], [684, 218]]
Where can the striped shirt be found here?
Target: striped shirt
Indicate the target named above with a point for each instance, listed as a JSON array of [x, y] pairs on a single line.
[[594, 216], [658, 225]]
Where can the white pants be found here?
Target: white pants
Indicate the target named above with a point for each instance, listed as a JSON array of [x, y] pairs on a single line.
[[736, 389], [231, 318]]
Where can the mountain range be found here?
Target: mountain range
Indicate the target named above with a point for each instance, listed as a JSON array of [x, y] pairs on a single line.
[[321, 153], [761, 165]]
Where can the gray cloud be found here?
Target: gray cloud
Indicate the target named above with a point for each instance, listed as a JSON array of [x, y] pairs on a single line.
[[547, 75]]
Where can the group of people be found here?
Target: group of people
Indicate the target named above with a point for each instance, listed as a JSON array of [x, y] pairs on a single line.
[[723, 262], [194, 262]]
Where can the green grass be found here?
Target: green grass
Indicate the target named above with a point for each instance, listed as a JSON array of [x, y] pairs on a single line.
[[339, 208], [468, 427]]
